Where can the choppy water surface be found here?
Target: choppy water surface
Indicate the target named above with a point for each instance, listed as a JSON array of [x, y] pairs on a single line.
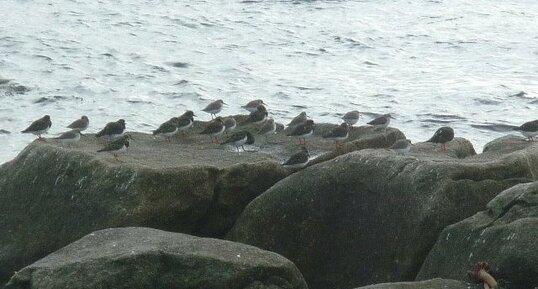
[[468, 64]]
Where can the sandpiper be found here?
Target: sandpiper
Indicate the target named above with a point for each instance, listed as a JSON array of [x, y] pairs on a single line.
[[298, 160], [259, 116], [39, 127], [253, 105], [303, 131], [351, 117], [401, 146], [185, 121], [214, 107], [214, 129], [442, 136], [69, 138], [301, 118], [112, 130], [338, 134], [529, 129], [268, 128], [230, 124], [168, 129], [117, 147], [381, 122], [239, 139], [80, 124]]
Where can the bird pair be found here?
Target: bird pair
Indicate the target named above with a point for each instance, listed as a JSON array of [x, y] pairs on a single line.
[[442, 136], [174, 125]]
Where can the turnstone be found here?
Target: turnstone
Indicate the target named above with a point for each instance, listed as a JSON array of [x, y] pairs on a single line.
[[112, 130], [230, 124], [529, 129], [401, 146], [351, 117], [259, 116], [214, 107], [442, 136], [80, 124], [239, 139], [338, 134], [303, 131], [301, 118], [381, 122], [214, 129], [117, 147], [69, 138], [185, 121], [298, 160], [253, 105], [39, 127], [168, 129], [268, 128]]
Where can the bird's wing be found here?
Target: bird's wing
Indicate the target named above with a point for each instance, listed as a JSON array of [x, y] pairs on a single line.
[[297, 158], [67, 135], [235, 137], [379, 120], [79, 123], [212, 127], [39, 124], [166, 127]]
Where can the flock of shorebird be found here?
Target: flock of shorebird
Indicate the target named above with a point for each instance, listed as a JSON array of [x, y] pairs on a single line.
[[300, 127]]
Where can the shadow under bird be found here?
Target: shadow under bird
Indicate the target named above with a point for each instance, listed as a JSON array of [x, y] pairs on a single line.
[[381, 122], [229, 124], [401, 146], [239, 139], [168, 129], [214, 129], [185, 121], [442, 136], [298, 160], [351, 117], [214, 107], [80, 124], [69, 138], [117, 147], [303, 131], [112, 130], [299, 119], [253, 105], [259, 116], [529, 129], [338, 134], [39, 127]]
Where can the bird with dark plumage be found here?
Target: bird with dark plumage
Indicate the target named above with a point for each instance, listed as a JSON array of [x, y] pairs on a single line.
[[39, 127], [401, 146], [338, 134], [185, 121], [259, 116], [268, 128], [117, 147], [529, 129], [80, 124], [298, 160], [381, 122], [112, 130], [69, 138], [214, 129], [442, 136], [299, 119], [303, 131], [239, 139], [168, 129], [230, 124], [351, 117], [214, 107], [252, 106]]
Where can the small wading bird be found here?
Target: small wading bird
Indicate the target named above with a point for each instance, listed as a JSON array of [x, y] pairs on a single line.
[[351, 117], [401, 146], [381, 122], [303, 131], [80, 124], [39, 127], [117, 147], [214, 107], [268, 128], [338, 134], [259, 116], [230, 124], [299, 119], [239, 139], [214, 129], [442, 136], [529, 129], [253, 105], [185, 121], [112, 130], [69, 138], [298, 160], [168, 129]]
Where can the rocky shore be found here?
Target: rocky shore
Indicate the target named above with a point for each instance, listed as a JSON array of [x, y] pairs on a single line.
[[355, 216]]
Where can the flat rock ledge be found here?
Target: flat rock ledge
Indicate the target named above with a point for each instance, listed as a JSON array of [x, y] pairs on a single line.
[[148, 258], [428, 284]]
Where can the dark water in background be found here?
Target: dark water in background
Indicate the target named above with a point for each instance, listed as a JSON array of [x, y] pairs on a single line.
[[469, 64]]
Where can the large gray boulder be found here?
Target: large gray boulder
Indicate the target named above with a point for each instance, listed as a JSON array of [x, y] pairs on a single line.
[[371, 216], [428, 284], [154, 259], [505, 236]]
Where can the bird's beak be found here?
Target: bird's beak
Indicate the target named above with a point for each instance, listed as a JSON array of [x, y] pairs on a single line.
[[194, 115], [224, 103], [392, 117]]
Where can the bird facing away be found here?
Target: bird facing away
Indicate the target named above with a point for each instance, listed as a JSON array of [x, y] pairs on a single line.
[[214, 129], [338, 134], [381, 122], [214, 107], [69, 138], [253, 105], [259, 116], [298, 160], [239, 139], [185, 121], [529, 129], [401, 146], [117, 147], [39, 127], [351, 117], [442, 136], [299, 119], [80, 124], [230, 124], [303, 131], [168, 129], [112, 130]]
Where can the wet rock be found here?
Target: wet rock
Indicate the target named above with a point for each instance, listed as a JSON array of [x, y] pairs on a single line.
[[149, 258], [371, 216], [505, 236], [429, 284]]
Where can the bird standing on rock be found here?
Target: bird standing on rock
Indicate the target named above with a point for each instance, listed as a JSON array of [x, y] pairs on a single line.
[[381, 122], [299, 119], [259, 116], [529, 129], [230, 124], [303, 131], [185, 121], [214, 129], [351, 117], [168, 129], [112, 130], [338, 134], [401, 146], [39, 127], [298, 160], [80, 124], [117, 147], [214, 107], [442, 136], [269, 127], [69, 138], [253, 105], [239, 139]]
